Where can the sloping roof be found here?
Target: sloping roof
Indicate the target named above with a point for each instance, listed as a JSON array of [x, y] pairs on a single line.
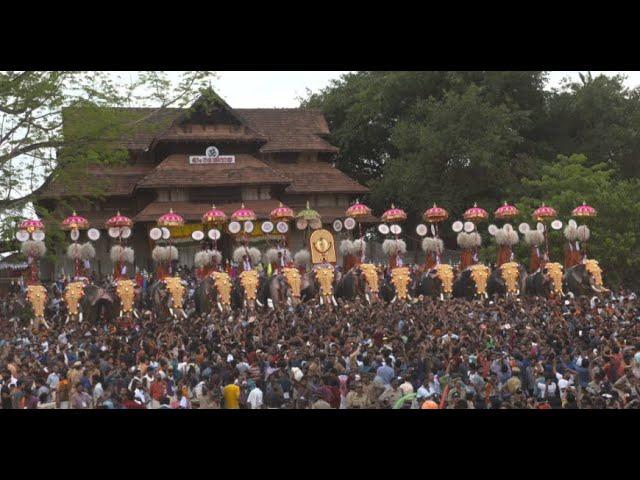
[[283, 129], [316, 177], [193, 211], [289, 129], [116, 181], [143, 124], [175, 170]]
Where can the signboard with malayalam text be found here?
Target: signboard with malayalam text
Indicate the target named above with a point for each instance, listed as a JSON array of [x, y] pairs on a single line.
[[212, 155]]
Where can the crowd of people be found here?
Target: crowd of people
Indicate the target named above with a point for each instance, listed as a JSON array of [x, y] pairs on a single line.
[[519, 353]]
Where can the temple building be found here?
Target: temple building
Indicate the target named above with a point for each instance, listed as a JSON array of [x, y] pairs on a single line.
[[261, 157]]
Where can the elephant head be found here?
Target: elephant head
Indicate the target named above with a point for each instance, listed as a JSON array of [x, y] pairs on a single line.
[[507, 279], [585, 278]]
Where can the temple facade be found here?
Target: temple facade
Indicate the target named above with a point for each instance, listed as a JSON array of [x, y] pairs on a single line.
[[188, 160]]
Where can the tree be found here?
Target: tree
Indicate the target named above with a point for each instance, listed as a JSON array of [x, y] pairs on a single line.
[[599, 117], [615, 240], [363, 109], [454, 151], [33, 145], [39, 143]]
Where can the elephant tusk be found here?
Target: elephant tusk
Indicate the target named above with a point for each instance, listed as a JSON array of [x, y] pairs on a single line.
[[321, 301], [67, 320], [171, 312], [393, 300], [259, 303], [135, 314], [442, 297], [333, 299], [366, 295], [219, 306], [184, 314]]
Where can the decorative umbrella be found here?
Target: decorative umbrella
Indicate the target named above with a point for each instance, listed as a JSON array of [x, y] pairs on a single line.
[[214, 216], [243, 214], [584, 211], [119, 221], [75, 222], [435, 214], [31, 225], [358, 210], [282, 214], [476, 214], [544, 213], [170, 219], [506, 212], [394, 215], [308, 213], [308, 217]]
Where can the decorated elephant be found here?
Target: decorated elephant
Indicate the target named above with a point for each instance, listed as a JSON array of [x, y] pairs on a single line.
[[472, 282], [584, 279], [507, 279], [362, 280], [98, 302], [250, 289], [167, 297], [545, 282], [214, 291], [436, 282]]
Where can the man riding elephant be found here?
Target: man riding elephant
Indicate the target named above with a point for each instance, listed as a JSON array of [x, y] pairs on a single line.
[[436, 279], [508, 278], [249, 282], [472, 277]]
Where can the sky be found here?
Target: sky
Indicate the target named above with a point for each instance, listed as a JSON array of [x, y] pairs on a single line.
[[266, 89]]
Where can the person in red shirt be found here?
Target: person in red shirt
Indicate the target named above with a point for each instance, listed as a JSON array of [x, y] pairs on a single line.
[[131, 404], [158, 389]]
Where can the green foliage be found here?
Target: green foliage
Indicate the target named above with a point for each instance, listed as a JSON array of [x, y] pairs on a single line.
[[615, 240], [34, 148], [462, 137]]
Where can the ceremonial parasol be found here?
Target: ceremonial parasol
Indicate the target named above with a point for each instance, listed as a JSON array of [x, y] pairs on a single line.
[[584, 211], [282, 214], [119, 221], [308, 218], [243, 214], [476, 214], [358, 211], [506, 212], [394, 215], [435, 214], [543, 214], [75, 222], [31, 225], [170, 219], [214, 216]]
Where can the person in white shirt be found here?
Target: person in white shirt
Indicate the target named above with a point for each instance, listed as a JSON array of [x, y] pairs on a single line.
[[255, 398]]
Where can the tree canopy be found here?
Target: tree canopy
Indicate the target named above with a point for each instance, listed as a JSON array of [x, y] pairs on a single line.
[[462, 137]]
